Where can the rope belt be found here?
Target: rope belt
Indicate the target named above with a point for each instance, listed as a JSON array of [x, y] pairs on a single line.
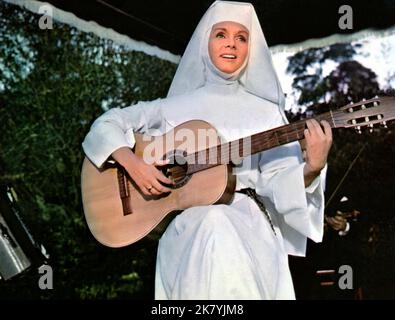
[[252, 194]]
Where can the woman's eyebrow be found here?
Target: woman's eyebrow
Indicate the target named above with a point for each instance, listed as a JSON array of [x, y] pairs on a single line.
[[226, 30]]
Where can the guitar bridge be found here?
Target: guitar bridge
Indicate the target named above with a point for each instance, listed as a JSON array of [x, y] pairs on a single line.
[[124, 191]]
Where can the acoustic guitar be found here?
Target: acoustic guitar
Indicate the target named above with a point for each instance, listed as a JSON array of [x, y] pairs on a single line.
[[119, 214]]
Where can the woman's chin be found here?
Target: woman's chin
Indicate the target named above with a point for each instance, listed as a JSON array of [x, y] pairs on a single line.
[[228, 70]]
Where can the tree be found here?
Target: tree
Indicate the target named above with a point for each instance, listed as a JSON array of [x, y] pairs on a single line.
[[370, 181], [55, 83]]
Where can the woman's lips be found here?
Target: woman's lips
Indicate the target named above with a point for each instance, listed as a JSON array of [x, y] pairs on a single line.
[[228, 56]]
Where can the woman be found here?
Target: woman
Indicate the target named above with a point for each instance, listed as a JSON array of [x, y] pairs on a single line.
[[235, 251]]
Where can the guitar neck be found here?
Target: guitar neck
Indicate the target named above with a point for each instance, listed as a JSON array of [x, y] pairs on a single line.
[[235, 150], [278, 136]]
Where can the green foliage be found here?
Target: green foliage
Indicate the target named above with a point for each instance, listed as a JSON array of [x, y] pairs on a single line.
[[306, 66], [54, 84]]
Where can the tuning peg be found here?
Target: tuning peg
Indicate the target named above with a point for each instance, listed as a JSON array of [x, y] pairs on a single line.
[[367, 119], [370, 127], [363, 106], [384, 123], [353, 121], [358, 128], [351, 109], [379, 117]]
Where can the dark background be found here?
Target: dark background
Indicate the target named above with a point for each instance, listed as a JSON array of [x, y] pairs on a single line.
[[169, 24]]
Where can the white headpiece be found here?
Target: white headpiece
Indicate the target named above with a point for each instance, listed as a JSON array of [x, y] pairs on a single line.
[[259, 76]]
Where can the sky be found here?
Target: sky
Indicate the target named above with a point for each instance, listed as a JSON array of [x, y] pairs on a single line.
[[376, 53]]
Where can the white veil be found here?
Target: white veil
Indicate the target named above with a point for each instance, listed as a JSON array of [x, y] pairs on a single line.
[[258, 78]]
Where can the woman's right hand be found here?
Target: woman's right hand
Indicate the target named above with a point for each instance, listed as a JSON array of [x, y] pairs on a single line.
[[147, 177]]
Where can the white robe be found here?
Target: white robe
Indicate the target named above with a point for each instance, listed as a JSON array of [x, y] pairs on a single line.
[[225, 251]]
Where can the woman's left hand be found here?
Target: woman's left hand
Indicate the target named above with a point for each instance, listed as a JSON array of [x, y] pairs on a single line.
[[318, 143]]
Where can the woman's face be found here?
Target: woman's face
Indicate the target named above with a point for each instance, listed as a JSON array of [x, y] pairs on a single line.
[[228, 45]]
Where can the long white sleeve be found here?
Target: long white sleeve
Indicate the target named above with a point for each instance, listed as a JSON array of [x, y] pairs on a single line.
[[114, 129], [300, 210]]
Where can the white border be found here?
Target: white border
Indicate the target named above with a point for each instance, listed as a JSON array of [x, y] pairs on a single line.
[[91, 26]]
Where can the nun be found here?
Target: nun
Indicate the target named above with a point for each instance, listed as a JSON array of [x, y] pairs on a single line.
[[237, 250]]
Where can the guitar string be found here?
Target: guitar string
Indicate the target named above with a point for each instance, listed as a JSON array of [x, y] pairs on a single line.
[[286, 137], [224, 149], [281, 137]]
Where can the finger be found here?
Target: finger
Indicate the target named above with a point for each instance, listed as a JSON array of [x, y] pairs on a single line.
[[161, 162], [338, 218], [162, 178], [308, 124], [308, 132], [337, 225], [155, 192], [330, 220], [307, 136], [160, 187], [327, 129], [315, 128], [145, 191]]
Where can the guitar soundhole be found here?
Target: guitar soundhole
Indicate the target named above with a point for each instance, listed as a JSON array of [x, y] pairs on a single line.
[[177, 169]]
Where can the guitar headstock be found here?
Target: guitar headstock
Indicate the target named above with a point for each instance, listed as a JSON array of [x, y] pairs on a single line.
[[366, 113]]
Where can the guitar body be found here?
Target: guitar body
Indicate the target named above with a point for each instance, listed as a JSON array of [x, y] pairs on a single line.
[[119, 214]]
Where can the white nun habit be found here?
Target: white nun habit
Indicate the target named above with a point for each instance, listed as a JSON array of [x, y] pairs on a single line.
[[226, 251]]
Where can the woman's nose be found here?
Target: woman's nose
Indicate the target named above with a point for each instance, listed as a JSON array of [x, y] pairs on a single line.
[[231, 43]]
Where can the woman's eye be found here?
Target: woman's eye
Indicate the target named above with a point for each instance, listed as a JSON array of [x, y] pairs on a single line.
[[220, 35], [242, 39]]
